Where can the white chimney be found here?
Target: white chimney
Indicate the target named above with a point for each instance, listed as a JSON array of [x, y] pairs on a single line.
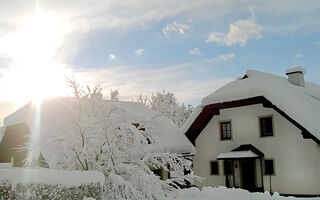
[[296, 75]]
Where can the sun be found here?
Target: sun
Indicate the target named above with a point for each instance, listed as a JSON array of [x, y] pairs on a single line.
[[36, 72]]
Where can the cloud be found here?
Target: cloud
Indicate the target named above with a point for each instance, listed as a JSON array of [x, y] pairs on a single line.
[[226, 57], [195, 51], [68, 23], [223, 57], [175, 28], [112, 57], [131, 80], [181, 79], [239, 32], [122, 15], [298, 55], [140, 52], [317, 42]]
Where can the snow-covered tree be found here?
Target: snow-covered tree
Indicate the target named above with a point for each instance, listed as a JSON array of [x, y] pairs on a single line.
[[101, 136], [166, 103], [114, 95]]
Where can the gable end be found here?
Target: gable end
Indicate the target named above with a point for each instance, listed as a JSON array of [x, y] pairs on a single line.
[[214, 109]]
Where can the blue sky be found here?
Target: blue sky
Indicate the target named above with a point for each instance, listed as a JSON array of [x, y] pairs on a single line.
[[190, 48]]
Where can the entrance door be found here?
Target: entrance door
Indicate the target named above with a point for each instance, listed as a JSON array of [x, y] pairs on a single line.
[[248, 175]]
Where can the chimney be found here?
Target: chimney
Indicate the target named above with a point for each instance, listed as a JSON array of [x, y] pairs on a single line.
[[296, 75]]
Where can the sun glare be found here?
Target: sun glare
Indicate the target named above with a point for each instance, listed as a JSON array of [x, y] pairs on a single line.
[[35, 83], [36, 73]]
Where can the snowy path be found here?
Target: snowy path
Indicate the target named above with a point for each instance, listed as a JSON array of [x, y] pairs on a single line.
[[222, 193]]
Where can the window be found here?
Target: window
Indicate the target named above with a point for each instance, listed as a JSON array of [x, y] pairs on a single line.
[[269, 167], [225, 130], [214, 168], [266, 126]]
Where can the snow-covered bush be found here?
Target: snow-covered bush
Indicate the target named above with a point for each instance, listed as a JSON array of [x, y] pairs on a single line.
[[102, 136], [166, 103]]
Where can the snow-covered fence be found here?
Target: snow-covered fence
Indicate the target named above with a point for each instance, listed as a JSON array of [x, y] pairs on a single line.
[[23, 183]]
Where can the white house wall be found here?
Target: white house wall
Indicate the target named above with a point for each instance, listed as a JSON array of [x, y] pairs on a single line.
[[297, 160]]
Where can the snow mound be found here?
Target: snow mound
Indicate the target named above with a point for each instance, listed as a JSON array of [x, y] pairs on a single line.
[[54, 113], [67, 178]]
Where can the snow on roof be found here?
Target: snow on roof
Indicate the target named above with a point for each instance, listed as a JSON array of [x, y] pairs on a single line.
[[237, 154], [300, 103], [51, 177], [197, 110], [56, 112]]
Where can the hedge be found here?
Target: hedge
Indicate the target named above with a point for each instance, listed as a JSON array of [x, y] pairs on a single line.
[[49, 192]]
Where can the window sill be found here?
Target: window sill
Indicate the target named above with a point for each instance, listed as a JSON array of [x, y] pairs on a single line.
[[227, 139], [263, 136]]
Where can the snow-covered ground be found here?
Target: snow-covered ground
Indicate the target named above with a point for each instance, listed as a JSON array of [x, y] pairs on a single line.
[[223, 193], [75, 178]]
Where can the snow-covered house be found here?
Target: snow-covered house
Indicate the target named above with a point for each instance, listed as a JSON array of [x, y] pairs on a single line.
[[260, 132], [48, 118]]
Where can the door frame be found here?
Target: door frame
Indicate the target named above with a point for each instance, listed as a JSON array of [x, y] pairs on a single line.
[[243, 176]]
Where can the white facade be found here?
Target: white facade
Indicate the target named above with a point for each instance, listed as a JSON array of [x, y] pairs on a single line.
[[296, 160]]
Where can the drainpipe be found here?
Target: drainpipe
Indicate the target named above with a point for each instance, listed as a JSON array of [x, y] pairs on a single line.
[[12, 161], [261, 171], [270, 184]]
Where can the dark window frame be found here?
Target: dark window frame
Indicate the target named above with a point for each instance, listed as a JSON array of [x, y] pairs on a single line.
[[261, 129], [224, 132], [273, 166], [217, 173]]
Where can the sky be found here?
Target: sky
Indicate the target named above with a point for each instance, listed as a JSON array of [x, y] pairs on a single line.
[[190, 48]]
